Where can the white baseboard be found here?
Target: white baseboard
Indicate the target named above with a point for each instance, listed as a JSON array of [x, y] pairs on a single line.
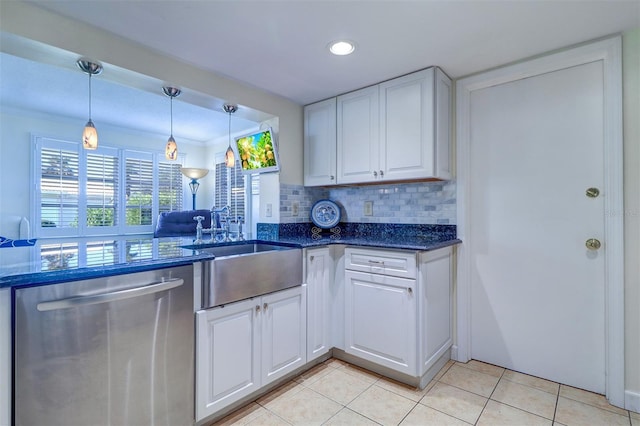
[[454, 352], [632, 401]]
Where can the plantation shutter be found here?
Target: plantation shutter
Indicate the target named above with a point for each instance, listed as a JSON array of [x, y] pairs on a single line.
[[169, 187], [229, 189], [59, 186], [138, 191], [102, 189], [237, 191], [221, 188]]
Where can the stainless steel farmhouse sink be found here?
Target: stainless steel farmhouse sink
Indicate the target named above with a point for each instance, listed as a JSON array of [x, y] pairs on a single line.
[[248, 270], [240, 249]]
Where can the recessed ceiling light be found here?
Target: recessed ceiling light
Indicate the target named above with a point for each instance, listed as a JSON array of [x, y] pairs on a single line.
[[342, 47]]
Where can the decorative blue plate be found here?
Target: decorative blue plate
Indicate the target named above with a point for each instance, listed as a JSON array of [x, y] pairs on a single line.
[[325, 214]]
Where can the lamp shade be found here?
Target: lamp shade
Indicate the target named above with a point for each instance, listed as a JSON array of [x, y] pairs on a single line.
[[193, 172], [230, 158], [90, 136], [171, 151]]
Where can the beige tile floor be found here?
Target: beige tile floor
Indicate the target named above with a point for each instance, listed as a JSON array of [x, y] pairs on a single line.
[[336, 393]]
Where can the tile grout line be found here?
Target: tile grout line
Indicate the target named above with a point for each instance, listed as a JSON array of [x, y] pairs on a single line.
[[489, 397]]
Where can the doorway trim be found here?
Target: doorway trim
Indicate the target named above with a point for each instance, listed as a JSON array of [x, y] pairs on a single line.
[[609, 51]]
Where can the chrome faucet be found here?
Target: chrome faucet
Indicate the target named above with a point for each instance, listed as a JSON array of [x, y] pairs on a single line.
[[224, 218], [198, 229]]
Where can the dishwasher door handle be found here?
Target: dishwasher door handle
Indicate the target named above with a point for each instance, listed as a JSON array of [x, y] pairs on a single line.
[[73, 302]]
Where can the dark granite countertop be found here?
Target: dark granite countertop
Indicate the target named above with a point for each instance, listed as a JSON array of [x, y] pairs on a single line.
[[58, 260], [52, 261]]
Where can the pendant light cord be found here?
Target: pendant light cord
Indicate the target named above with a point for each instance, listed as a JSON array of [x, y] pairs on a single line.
[[89, 96], [171, 108]]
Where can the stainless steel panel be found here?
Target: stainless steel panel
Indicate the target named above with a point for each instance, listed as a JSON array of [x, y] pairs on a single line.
[[113, 362], [234, 278]]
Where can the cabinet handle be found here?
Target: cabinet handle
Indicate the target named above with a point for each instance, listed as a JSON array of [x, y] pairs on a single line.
[[410, 290], [310, 258], [265, 306], [257, 308], [376, 262], [381, 173], [332, 177], [375, 174]]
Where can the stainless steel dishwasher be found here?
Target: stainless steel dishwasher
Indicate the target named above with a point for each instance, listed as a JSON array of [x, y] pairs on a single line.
[[108, 351]]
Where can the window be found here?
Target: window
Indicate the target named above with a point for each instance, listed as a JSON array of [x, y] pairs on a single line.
[[170, 187], [230, 189], [238, 191], [59, 186], [106, 191]]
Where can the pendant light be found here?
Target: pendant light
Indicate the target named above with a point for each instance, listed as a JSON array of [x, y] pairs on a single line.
[[90, 134], [229, 156], [171, 150]]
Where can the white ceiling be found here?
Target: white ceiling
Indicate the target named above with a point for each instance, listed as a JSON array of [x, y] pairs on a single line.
[[281, 46]]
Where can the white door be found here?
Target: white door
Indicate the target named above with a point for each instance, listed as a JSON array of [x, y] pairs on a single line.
[[380, 320], [227, 356], [537, 292], [284, 332]]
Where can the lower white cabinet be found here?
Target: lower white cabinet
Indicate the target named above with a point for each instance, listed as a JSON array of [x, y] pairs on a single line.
[[319, 265], [398, 307], [435, 306], [380, 319], [243, 346]]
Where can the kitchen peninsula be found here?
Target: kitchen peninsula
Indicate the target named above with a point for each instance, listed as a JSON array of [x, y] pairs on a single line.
[[322, 296]]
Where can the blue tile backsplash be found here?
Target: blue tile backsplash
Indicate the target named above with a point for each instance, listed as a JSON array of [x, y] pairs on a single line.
[[400, 203]]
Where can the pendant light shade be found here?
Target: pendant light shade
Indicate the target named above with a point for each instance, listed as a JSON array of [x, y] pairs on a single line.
[[90, 134], [229, 156], [171, 150]]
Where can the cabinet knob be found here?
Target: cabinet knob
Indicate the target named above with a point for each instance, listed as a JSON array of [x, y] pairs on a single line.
[[257, 308], [265, 306], [375, 174], [381, 173], [409, 290], [332, 177], [311, 258]]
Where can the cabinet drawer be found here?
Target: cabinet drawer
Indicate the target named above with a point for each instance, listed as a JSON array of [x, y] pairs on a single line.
[[393, 263]]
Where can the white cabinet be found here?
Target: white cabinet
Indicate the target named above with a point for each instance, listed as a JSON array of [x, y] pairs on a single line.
[[227, 361], [319, 266], [435, 327], [284, 331], [358, 135], [381, 320], [414, 126], [380, 307], [320, 143], [394, 131], [398, 307], [245, 345]]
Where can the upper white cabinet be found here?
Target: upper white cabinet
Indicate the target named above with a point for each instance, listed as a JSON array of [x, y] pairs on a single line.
[[414, 126], [358, 135], [394, 131], [320, 143]]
